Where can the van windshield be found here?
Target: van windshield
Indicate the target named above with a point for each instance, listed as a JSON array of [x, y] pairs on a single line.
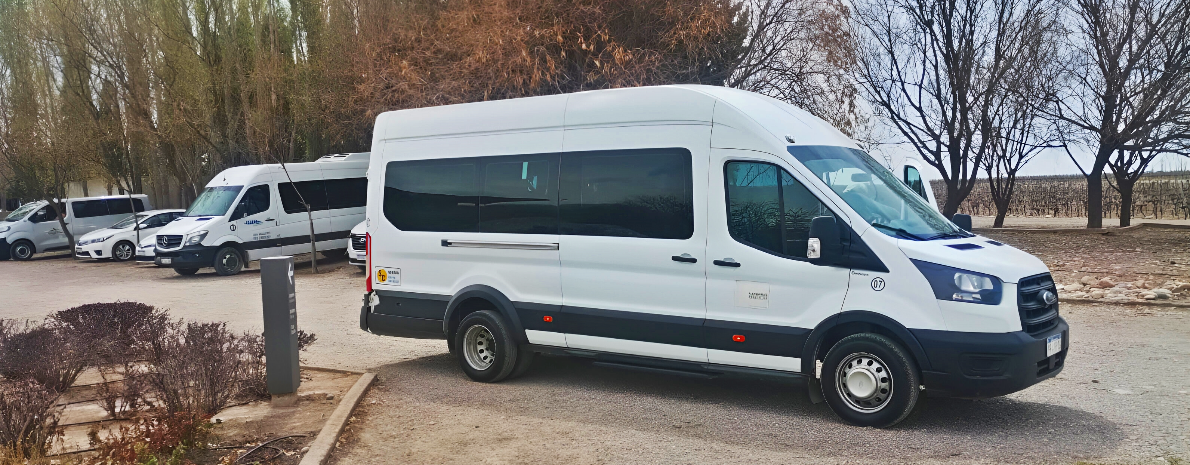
[[19, 213], [214, 201], [875, 193]]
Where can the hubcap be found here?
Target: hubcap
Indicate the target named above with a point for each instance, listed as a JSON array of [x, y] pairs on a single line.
[[479, 347], [22, 251], [863, 381], [230, 261], [123, 251]]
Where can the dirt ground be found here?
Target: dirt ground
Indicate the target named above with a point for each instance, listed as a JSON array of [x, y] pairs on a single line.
[[1124, 396]]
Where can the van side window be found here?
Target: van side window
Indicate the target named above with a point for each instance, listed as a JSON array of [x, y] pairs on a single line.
[[312, 191], [913, 180], [768, 209], [89, 208], [346, 193], [433, 195], [138, 204], [256, 200], [628, 193], [520, 196], [119, 206]]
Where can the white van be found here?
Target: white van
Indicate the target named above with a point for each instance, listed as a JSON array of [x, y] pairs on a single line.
[[251, 212], [118, 241], [357, 252], [33, 228], [692, 229], [916, 174]]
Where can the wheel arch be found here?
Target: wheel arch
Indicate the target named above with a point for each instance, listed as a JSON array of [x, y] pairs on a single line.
[[837, 327], [478, 297]]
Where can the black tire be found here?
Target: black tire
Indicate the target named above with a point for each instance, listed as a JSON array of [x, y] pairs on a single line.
[[885, 379], [228, 261], [491, 350], [186, 271], [22, 250], [524, 361], [123, 246]]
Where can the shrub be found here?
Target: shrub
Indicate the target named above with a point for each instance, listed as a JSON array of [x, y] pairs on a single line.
[[163, 438], [197, 367], [112, 333], [28, 421], [256, 380], [40, 353]]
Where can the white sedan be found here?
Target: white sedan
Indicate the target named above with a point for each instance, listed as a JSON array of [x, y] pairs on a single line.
[[119, 241], [144, 251]]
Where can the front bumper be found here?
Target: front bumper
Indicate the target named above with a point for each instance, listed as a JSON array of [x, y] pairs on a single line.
[[356, 258], [978, 365], [191, 256], [90, 251], [144, 254]]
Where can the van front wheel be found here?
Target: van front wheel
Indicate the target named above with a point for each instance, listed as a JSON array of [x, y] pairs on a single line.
[[228, 261], [485, 348], [21, 250], [869, 380]]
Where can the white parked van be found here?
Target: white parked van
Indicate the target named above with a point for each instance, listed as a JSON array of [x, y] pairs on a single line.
[[916, 174], [33, 228], [697, 229], [118, 241], [251, 212], [357, 247]]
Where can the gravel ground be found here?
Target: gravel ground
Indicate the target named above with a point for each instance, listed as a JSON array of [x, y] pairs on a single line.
[[1122, 397]]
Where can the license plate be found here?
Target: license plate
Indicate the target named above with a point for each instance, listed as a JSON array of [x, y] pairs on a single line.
[[1053, 345], [166, 261]]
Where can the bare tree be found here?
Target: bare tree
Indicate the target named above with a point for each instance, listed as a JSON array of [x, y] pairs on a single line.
[[1126, 86], [936, 71], [802, 52]]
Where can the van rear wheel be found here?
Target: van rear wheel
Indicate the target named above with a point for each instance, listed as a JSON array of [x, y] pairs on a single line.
[[21, 250], [228, 261], [485, 348], [870, 380]]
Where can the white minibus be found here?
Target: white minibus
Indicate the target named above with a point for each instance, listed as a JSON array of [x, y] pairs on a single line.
[[692, 229], [34, 228], [251, 212]]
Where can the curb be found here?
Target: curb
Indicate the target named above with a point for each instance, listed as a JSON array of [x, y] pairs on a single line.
[[324, 443]]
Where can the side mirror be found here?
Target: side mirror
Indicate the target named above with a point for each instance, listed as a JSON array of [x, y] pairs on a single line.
[[962, 221], [824, 243]]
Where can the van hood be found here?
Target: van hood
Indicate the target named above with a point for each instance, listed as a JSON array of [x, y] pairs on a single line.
[[185, 225], [978, 254]]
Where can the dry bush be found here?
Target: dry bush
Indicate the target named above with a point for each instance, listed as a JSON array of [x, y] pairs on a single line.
[[197, 367], [164, 438], [111, 332], [28, 420], [256, 381], [38, 352]]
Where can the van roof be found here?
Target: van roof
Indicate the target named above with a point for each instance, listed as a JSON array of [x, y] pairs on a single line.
[[241, 175], [674, 104]]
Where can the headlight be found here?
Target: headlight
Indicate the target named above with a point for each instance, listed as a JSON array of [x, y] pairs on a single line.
[[196, 238], [961, 285], [103, 240]]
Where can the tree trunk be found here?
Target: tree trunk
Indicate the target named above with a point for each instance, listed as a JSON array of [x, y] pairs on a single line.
[[953, 199], [1001, 212], [1095, 198], [1125, 187]]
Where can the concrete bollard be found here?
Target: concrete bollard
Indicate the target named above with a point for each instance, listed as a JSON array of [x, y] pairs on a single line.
[[280, 329]]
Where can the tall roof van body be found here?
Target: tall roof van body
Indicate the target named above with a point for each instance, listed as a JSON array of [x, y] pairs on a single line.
[[34, 228], [691, 228], [251, 212], [916, 174]]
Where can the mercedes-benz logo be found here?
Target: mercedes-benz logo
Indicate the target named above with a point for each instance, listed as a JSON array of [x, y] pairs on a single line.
[[1049, 297], [877, 284]]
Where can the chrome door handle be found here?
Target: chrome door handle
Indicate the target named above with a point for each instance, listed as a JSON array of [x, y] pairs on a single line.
[[684, 258], [727, 262]]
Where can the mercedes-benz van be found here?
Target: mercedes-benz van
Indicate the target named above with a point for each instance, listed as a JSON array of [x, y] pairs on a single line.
[[692, 229], [251, 212], [34, 228]]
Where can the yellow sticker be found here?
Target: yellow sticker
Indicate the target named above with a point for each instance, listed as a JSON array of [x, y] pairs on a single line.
[[381, 275]]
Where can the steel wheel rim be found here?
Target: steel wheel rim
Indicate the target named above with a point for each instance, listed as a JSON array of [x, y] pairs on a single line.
[[864, 382], [479, 347], [230, 260], [123, 251], [22, 251]]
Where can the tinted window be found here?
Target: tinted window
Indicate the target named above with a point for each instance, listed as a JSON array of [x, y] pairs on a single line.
[[432, 195], [913, 180], [155, 221], [768, 209], [519, 196], [312, 192], [89, 208], [628, 193], [255, 200], [45, 214], [118, 207], [346, 193], [140, 205]]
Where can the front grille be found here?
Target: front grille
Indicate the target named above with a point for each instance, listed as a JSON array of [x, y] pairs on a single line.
[[169, 241], [1036, 316], [359, 242]]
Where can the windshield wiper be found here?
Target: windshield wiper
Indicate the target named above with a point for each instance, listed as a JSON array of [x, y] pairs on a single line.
[[944, 235], [902, 232]]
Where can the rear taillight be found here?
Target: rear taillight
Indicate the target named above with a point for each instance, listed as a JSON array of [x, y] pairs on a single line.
[[368, 256]]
